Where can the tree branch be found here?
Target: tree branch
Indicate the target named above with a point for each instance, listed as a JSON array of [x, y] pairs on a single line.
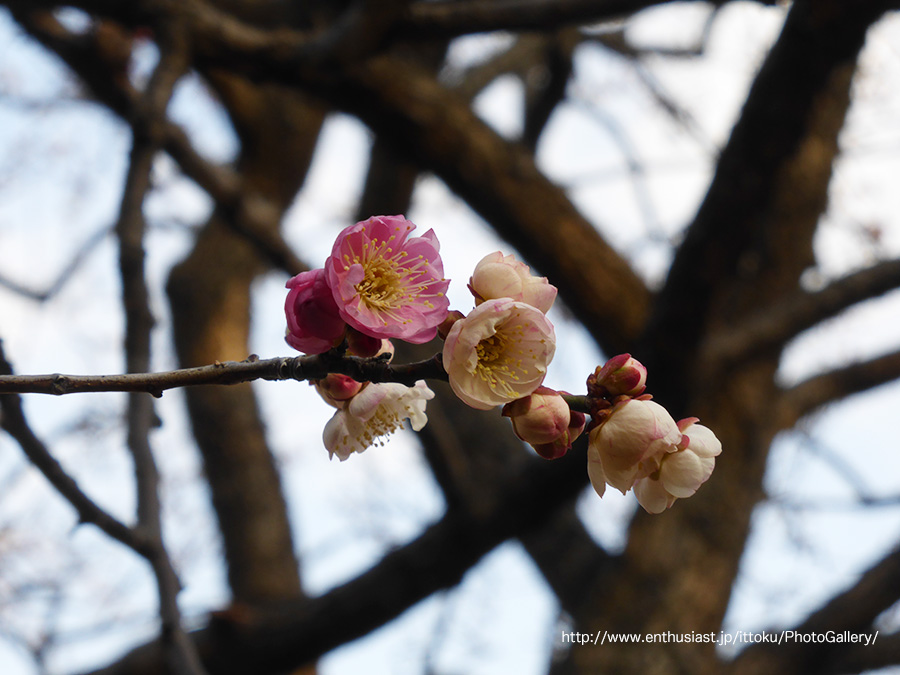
[[853, 610], [719, 272], [68, 271], [774, 326], [249, 213], [242, 640], [229, 372], [499, 180], [437, 129], [813, 393], [13, 421], [859, 658], [147, 133], [448, 19]]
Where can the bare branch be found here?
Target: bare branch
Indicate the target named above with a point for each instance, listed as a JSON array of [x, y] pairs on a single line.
[[499, 180], [859, 658], [243, 640], [14, 423], [774, 326], [807, 396], [229, 372], [249, 213], [60, 282], [147, 133], [441, 132], [718, 271], [427, 19], [853, 610]]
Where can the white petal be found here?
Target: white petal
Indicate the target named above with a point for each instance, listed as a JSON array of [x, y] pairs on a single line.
[[595, 472], [336, 436], [652, 495], [684, 472], [703, 441]]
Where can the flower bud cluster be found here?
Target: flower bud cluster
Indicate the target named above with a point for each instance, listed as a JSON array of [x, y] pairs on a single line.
[[634, 444]]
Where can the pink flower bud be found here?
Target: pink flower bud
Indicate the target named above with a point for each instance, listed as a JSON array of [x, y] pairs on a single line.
[[544, 421], [500, 276], [359, 344], [622, 375], [335, 388], [444, 329], [313, 322], [559, 447]]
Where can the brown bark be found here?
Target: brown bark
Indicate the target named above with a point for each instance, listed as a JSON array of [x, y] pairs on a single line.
[[210, 297]]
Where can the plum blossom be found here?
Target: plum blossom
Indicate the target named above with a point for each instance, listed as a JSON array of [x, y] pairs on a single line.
[[498, 353], [502, 276], [313, 322], [630, 443], [682, 472], [373, 414], [386, 284]]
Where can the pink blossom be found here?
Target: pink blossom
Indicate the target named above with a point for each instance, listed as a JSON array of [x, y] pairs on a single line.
[[498, 353], [373, 414], [630, 443], [385, 284], [314, 324], [500, 276], [682, 472]]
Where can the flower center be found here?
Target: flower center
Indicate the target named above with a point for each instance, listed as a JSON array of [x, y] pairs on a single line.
[[392, 279], [494, 365], [381, 287], [491, 348]]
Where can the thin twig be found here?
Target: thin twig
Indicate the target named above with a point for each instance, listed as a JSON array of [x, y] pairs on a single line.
[[67, 272], [228, 372], [248, 213]]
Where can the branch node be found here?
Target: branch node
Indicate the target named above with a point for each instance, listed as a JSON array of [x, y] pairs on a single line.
[[59, 385]]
